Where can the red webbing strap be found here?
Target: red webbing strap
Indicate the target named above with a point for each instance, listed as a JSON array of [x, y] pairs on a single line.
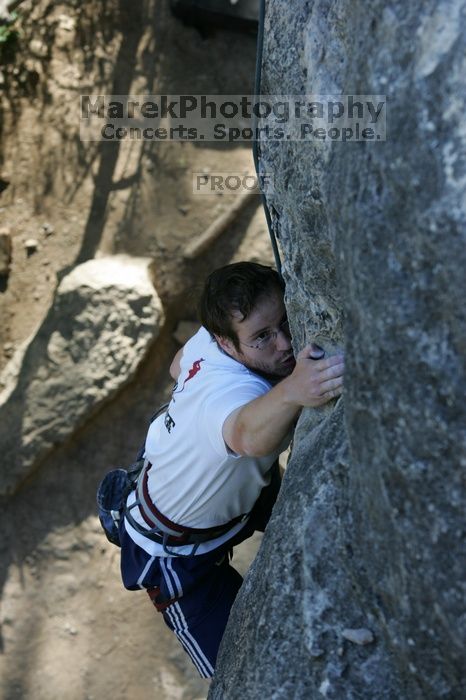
[[154, 593], [151, 515]]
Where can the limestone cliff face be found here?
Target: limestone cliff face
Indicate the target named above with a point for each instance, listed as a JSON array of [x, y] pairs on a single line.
[[368, 532]]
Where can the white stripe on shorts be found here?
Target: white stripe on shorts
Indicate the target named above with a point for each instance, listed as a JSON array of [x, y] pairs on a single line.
[[144, 572], [180, 625]]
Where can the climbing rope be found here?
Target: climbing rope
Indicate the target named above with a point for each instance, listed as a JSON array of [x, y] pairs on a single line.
[[255, 146]]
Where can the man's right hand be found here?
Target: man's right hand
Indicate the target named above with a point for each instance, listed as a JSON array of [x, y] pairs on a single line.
[[314, 381]]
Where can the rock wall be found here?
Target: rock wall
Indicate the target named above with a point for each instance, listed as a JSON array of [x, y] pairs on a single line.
[[358, 588]]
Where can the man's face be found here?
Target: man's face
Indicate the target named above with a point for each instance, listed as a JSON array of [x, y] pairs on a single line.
[[276, 356]]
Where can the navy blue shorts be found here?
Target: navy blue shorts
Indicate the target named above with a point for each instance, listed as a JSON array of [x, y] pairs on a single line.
[[194, 594]]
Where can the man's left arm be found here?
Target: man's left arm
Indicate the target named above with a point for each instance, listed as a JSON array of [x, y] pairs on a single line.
[[175, 367]]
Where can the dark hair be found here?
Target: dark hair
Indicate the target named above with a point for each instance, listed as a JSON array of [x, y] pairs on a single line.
[[235, 287]]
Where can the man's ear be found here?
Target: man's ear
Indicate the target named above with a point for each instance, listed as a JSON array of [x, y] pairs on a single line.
[[226, 344]]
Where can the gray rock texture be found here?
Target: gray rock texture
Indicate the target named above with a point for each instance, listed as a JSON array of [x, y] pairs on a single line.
[[369, 531], [105, 316]]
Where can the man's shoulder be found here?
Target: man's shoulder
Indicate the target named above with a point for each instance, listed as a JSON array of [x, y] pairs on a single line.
[[202, 344]]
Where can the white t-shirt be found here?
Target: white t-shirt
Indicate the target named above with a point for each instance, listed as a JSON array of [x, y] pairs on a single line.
[[196, 480]]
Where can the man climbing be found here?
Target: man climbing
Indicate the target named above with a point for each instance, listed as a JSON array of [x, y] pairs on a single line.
[[210, 474]]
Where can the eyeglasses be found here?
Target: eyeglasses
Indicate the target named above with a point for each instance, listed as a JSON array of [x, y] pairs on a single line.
[[265, 339]]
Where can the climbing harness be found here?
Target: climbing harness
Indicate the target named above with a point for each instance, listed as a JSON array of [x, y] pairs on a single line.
[[112, 496]]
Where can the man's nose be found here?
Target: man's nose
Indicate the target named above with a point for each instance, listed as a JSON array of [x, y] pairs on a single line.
[[283, 340]]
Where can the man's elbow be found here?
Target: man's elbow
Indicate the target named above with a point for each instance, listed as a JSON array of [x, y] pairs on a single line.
[[241, 439], [247, 446], [255, 451]]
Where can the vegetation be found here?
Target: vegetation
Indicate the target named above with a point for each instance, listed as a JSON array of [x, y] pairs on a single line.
[[9, 37]]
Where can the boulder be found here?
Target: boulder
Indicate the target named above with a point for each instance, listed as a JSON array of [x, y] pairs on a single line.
[[358, 588], [105, 316]]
